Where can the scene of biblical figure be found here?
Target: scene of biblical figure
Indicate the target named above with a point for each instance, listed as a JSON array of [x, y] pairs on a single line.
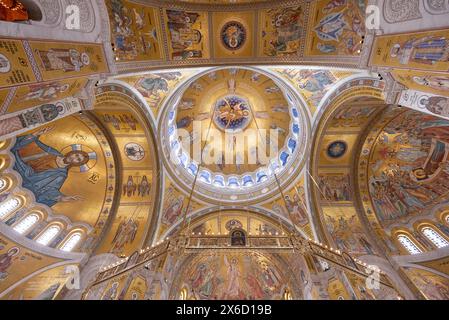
[[134, 30], [6, 260], [410, 169], [60, 60], [313, 84], [137, 185], [173, 206], [40, 115], [297, 208], [227, 276], [339, 26], [44, 169], [125, 234], [421, 50], [63, 59], [282, 30], [335, 187], [352, 117], [155, 87], [186, 34], [346, 230], [437, 105], [121, 122], [432, 286]]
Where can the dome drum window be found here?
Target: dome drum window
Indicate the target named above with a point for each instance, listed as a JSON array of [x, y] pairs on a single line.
[[408, 244], [433, 236]]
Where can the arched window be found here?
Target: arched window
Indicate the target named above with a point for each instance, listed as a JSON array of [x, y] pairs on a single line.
[[408, 244], [434, 237], [48, 235], [24, 225], [71, 243], [2, 184], [8, 207]]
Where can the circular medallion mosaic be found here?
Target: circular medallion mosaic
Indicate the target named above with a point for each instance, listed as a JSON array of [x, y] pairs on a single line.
[[232, 113], [233, 35], [337, 149]]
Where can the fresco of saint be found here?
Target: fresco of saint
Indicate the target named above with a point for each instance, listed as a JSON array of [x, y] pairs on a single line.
[[424, 50], [126, 233], [63, 59]]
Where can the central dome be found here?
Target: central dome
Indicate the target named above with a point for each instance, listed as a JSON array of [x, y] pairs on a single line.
[[250, 127]]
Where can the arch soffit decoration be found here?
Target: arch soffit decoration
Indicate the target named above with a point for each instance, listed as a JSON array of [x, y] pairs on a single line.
[[355, 87], [140, 106]]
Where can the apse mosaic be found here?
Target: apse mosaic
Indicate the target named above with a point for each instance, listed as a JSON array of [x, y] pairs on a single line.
[[338, 28], [54, 161]]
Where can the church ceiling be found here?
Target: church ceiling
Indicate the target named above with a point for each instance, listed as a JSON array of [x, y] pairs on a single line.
[[184, 33], [336, 147], [238, 101], [138, 135]]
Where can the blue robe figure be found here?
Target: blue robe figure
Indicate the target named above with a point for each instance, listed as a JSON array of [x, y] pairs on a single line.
[[45, 178]]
